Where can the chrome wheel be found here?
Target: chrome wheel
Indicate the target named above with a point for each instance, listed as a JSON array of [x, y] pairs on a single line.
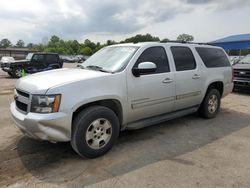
[[18, 72], [213, 103], [98, 133]]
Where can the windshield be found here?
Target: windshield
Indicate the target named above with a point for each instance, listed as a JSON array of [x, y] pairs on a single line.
[[111, 59], [245, 60], [29, 56]]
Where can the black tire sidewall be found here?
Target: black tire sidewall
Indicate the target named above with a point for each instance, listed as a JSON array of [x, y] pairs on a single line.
[[80, 125], [14, 72], [204, 108]]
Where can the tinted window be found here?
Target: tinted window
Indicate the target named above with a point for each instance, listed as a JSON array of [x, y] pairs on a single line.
[[155, 55], [213, 57], [52, 58], [183, 58], [37, 58]]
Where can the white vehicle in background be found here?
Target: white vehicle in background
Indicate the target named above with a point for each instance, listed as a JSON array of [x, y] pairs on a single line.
[[125, 86], [7, 59]]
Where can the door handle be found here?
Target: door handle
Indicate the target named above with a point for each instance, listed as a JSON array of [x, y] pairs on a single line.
[[196, 76], [167, 81]]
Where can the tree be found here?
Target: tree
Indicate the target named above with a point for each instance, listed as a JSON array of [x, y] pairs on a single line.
[[185, 37], [165, 40], [30, 45], [86, 51], [5, 43], [20, 43], [141, 38]]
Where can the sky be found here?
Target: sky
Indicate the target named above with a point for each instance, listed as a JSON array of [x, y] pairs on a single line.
[[100, 20]]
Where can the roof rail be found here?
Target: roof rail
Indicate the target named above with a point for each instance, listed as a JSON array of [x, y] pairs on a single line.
[[184, 42]]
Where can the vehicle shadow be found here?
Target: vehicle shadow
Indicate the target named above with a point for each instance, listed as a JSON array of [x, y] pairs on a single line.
[[58, 163]]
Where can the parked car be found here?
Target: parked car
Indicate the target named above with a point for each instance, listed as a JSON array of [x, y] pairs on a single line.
[[73, 59], [7, 59], [242, 73], [125, 86], [34, 62]]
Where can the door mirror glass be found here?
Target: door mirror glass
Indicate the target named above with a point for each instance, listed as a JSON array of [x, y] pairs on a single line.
[[144, 68]]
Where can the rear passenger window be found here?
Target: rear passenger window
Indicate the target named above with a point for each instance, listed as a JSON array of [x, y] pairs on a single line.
[[183, 58], [155, 55], [52, 58], [213, 57]]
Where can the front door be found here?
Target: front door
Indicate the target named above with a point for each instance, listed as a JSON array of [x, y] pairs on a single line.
[[151, 94]]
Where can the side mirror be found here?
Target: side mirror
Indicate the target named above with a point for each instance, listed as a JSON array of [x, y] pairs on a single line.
[[144, 68]]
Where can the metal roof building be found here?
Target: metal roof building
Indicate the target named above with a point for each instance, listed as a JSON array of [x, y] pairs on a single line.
[[234, 42]]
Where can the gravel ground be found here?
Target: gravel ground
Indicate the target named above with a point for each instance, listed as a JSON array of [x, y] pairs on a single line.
[[186, 152]]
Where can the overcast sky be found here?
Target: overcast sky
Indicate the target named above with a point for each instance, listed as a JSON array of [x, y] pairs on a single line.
[[100, 20]]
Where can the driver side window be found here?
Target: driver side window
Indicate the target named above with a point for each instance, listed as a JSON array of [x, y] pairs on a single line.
[[155, 55]]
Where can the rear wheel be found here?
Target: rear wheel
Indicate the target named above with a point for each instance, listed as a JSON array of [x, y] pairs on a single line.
[[211, 104], [95, 130]]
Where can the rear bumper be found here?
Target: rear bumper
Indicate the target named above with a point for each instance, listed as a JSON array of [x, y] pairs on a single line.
[[55, 127]]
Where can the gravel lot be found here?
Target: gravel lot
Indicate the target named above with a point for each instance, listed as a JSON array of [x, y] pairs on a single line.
[[186, 152]]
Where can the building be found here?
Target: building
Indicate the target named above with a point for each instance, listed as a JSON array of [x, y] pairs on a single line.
[[234, 43], [18, 53]]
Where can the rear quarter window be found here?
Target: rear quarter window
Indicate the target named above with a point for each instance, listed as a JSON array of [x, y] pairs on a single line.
[[213, 57]]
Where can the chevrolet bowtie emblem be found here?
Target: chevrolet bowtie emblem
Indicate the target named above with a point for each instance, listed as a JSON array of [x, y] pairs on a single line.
[[242, 72]]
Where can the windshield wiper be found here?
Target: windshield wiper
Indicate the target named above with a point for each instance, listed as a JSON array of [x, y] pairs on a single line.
[[97, 68]]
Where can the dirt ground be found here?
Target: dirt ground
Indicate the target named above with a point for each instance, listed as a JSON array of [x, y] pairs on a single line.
[[186, 152]]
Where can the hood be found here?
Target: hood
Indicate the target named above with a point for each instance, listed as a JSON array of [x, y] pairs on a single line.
[[242, 66], [39, 83]]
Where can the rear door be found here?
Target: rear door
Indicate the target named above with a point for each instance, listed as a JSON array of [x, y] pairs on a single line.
[[187, 78], [153, 93]]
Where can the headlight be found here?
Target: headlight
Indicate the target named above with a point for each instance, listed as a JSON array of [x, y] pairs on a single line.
[[45, 103]]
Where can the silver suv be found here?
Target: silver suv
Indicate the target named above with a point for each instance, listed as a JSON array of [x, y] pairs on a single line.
[[125, 86]]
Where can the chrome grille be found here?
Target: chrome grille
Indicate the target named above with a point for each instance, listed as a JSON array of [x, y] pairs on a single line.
[[22, 100], [242, 74]]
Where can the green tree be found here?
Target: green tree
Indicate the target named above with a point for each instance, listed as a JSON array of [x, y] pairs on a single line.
[[4, 43], [20, 43], [165, 40], [86, 51], [141, 38], [185, 37]]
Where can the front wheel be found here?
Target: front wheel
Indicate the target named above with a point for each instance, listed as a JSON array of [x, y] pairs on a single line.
[[95, 130], [17, 72], [211, 104]]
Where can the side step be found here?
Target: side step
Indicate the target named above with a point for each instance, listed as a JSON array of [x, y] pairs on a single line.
[[159, 119]]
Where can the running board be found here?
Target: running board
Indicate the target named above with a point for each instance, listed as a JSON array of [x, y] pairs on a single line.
[[159, 119]]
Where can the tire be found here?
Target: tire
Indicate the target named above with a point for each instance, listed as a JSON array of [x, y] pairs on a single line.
[[10, 74], [17, 72], [211, 104], [90, 129]]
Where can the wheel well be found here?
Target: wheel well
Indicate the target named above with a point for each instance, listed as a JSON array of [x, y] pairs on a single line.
[[217, 85], [112, 104]]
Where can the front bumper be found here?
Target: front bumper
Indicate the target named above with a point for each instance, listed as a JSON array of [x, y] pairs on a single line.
[[54, 127], [7, 69], [242, 84]]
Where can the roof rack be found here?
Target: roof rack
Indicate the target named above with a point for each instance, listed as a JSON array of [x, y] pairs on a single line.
[[183, 42]]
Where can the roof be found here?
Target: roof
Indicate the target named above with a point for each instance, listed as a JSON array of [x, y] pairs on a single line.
[[168, 43], [234, 38]]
